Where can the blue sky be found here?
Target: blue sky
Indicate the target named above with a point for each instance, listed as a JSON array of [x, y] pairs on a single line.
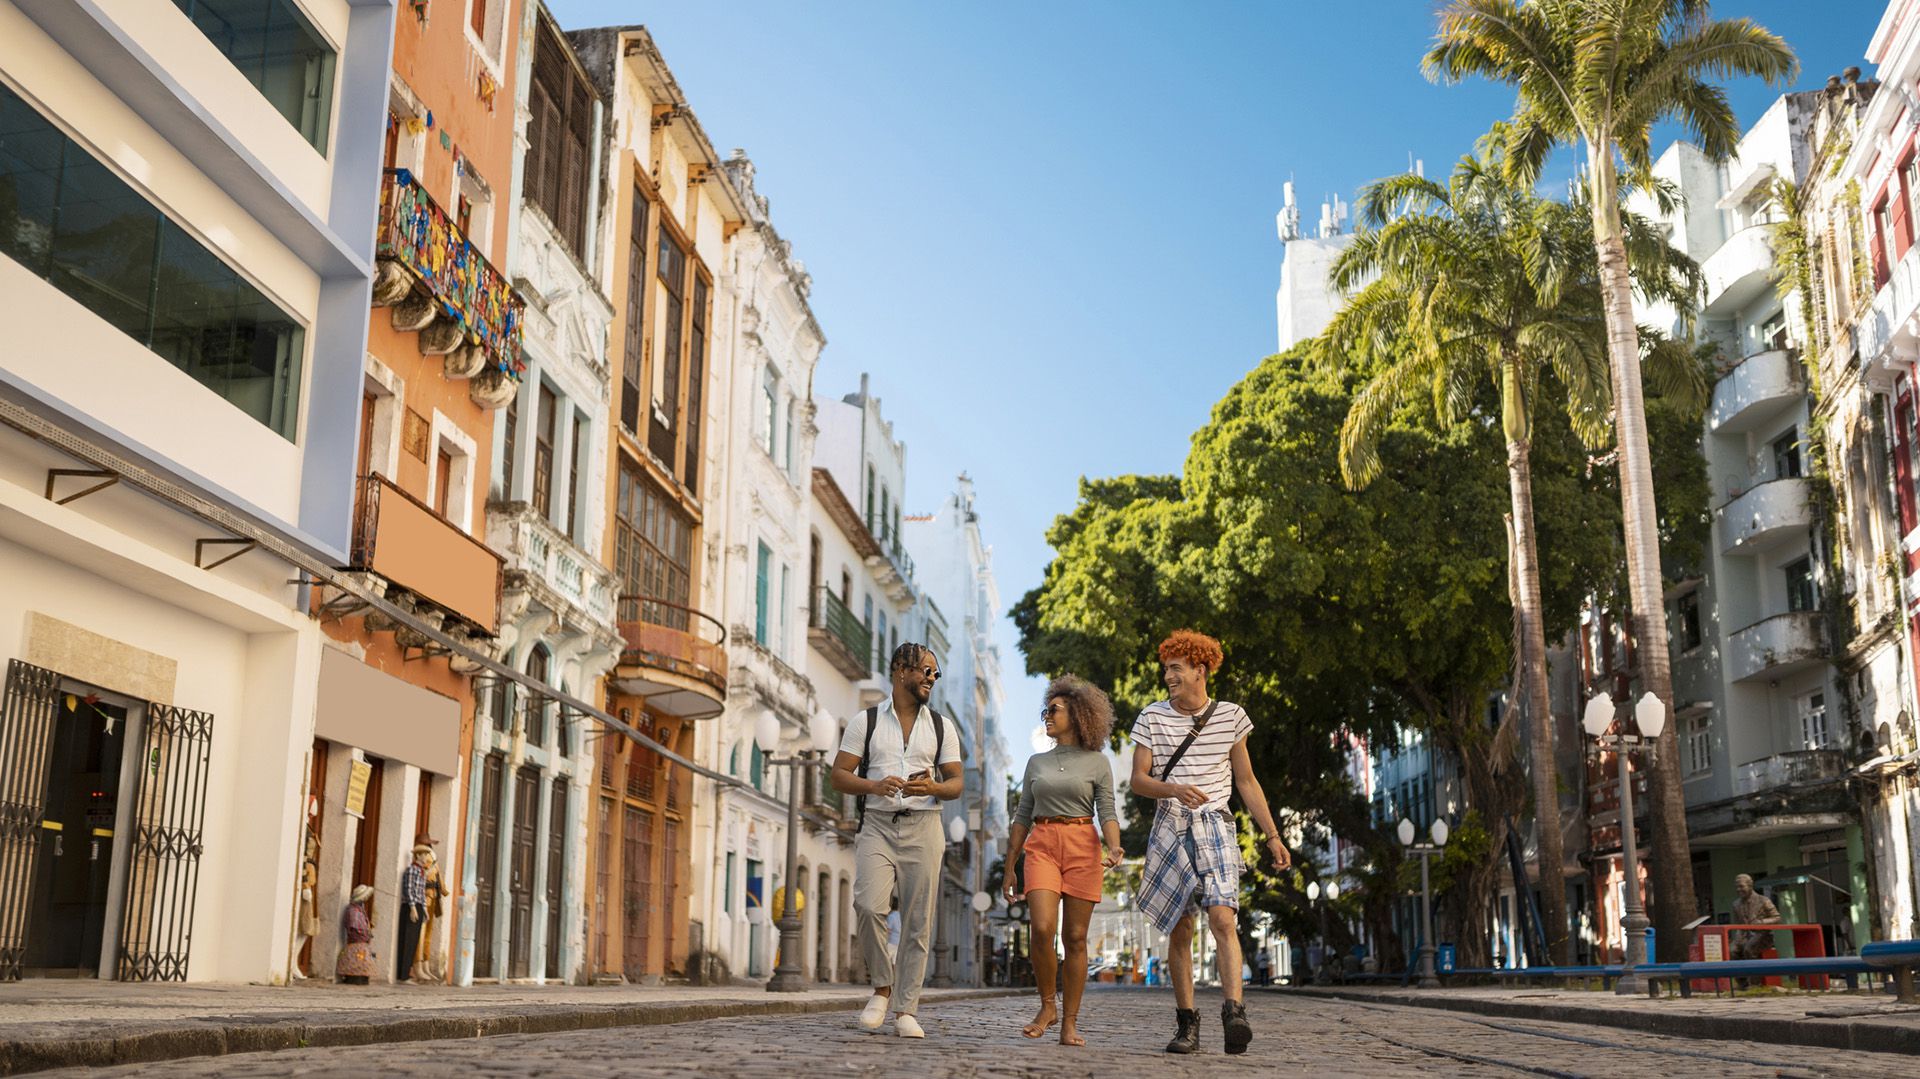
[[1047, 229]]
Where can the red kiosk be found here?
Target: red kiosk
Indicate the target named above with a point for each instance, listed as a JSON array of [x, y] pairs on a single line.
[[1713, 944]]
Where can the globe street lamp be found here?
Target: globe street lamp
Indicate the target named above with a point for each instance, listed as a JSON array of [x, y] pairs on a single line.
[[1314, 892], [787, 977], [1428, 978], [1650, 717]]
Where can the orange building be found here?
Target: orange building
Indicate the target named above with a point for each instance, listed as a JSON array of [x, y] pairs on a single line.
[[673, 213], [395, 713]]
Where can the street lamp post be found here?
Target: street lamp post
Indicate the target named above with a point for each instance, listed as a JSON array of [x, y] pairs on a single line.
[[1429, 978], [788, 976], [1650, 717], [1314, 892]]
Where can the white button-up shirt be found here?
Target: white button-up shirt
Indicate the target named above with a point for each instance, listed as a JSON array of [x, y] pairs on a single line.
[[893, 757]]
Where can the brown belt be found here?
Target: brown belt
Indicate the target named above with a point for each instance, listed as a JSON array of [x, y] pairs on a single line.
[[1063, 820]]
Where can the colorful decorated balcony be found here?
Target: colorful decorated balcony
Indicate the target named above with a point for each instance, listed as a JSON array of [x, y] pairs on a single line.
[[440, 286]]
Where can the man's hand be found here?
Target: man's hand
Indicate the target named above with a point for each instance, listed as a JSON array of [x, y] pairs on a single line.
[[890, 786], [413, 914], [1188, 795], [1282, 858], [920, 786], [1115, 855]]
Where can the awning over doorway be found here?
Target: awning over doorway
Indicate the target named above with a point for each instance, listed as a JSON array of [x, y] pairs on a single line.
[[364, 707]]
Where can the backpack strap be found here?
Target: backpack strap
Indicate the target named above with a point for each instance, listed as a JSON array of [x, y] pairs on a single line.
[[939, 739], [866, 752], [1199, 723]]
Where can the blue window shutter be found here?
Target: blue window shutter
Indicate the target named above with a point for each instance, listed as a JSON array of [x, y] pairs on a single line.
[[760, 595]]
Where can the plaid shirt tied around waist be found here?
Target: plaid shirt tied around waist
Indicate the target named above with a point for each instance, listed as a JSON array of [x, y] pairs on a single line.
[[1188, 851]]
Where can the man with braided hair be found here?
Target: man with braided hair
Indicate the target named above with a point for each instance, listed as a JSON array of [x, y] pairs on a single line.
[[902, 759], [1190, 753]]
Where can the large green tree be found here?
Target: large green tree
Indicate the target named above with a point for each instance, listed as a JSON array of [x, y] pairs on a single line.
[[1600, 74], [1346, 615], [1482, 282]]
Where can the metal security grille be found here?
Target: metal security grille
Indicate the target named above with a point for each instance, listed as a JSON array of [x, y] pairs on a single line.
[[26, 743], [169, 807]]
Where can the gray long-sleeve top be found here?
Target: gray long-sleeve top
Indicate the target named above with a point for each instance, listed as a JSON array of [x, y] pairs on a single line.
[[1067, 781]]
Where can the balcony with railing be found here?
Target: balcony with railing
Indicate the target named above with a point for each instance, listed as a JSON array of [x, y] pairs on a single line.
[[674, 657], [397, 537], [530, 544], [1798, 768], [1756, 389], [1775, 647], [440, 286], [838, 635], [1769, 513]]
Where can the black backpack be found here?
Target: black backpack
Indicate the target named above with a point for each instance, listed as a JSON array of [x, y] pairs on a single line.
[[866, 750]]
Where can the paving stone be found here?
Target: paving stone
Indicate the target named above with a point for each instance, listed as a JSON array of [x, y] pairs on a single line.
[[1295, 1034]]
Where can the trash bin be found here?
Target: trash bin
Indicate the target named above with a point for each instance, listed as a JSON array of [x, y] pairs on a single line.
[[1443, 958]]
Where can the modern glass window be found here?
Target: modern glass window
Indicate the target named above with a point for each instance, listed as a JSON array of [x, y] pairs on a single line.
[[1813, 721], [1786, 455], [1801, 593], [72, 221], [279, 52]]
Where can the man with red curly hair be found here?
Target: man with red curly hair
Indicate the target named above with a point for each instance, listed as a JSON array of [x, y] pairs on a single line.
[[1190, 753]]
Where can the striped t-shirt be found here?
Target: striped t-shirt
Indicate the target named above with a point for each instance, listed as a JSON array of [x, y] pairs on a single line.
[[1207, 763]]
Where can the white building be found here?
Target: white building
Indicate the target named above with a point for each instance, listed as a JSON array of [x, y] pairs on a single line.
[[1305, 302], [1756, 691], [767, 347], [955, 568], [186, 254]]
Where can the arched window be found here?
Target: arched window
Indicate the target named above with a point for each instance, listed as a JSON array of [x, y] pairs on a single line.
[[733, 761], [756, 768], [538, 661]]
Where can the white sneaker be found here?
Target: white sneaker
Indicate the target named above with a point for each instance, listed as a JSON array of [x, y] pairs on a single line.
[[875, 1013], [907, 1027]]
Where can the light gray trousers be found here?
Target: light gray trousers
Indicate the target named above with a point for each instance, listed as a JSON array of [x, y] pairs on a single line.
[[897, 856]]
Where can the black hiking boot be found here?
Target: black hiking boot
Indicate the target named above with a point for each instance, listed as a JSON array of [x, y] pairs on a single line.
[[1188, 1040], [1233, 1017]]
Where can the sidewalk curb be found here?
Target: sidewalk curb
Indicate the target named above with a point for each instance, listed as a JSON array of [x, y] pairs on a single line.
[[243, 1034], [1878, 1036]]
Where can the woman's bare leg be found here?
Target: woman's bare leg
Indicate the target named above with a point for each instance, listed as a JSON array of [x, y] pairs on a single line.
[[1043, 909], [1073, 979]]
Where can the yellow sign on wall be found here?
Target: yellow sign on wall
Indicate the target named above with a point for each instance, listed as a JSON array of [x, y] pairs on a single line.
[[358, 776]]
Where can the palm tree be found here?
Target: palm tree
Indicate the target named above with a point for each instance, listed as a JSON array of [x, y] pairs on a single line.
[[1482, 278], [1601, 73]]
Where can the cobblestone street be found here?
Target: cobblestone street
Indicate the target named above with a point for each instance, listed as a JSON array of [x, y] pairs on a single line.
[[1125, 1029]]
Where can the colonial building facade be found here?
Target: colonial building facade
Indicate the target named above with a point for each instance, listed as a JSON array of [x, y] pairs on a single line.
[[671, 213], [442, 354]]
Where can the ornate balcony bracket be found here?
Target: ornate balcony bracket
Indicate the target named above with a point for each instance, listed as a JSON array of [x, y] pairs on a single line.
[[422, 251]]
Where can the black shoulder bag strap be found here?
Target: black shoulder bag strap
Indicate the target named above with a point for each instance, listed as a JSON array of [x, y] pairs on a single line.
[[939, 739], [866, 752], [1199, 723]]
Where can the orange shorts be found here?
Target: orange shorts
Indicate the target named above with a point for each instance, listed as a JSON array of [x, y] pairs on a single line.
[[1064, 858]]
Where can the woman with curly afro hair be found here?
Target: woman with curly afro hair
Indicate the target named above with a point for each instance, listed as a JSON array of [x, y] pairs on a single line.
[[1190, 753], [1066, 788]]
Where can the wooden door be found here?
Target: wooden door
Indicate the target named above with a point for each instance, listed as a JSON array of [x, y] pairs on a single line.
[[637, 865], [526, 827], [556, 872], [670, 891], [486, 866]]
